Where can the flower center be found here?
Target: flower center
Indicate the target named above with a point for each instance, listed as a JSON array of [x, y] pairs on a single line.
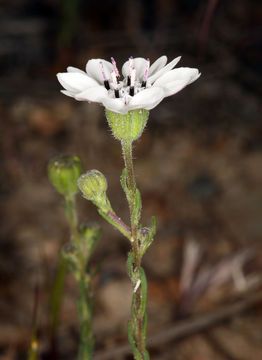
[[127, 87]]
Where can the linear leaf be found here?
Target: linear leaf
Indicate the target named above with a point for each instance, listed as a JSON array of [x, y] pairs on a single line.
[[143, 294], [132, 340]]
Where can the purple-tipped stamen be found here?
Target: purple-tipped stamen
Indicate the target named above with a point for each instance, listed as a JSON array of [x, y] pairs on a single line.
[[132, 82], [115, 83], [106, 82], [146, 73], [131, 61], [115, 69]]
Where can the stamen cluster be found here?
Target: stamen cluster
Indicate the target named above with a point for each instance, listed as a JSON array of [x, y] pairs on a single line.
[[143, 86], [127, 87]]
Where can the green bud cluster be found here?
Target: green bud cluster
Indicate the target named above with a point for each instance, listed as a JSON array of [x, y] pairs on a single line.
[[127, 127], [63, 173]]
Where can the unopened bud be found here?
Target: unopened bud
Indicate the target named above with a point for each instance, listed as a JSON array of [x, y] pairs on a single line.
[[63, 173], [127, 127], [93, 186]]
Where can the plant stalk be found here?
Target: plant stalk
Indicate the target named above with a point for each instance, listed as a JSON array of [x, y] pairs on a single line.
[[71, 214], [85, 301], [139, 318], [85, 311], [131, 182]]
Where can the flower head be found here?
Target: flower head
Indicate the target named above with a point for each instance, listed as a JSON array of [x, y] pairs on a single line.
[[142, 86]]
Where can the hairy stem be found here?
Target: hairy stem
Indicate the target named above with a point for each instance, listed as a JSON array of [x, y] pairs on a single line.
[[114, 220], [131, 183]]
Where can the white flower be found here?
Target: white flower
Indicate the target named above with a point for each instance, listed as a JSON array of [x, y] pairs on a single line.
[[142, 86]]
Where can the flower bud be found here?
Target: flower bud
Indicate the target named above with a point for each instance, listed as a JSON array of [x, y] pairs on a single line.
[[93, 186], [127, 127], [63, 173]]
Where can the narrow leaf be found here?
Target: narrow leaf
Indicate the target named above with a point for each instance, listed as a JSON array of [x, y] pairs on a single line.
[[153, 227], [144, 330], [133, 308], [143, 294], [146, 355], [123, 180], [150, 237], [138, 206], [130, 264], [132, 341]]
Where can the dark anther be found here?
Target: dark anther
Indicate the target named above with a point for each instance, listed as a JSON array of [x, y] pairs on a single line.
[[132, 91], [143, 83], [117, 93], [118, 79], [128, 81], [106, 83]]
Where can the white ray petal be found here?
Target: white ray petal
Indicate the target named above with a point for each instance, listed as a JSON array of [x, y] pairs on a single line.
[[157, 65], [174, 87], [183, 73], [165, 69], [68, 93], [93, 94], [115, 105], [93, 69], [140, 65], [75, 81], [147, 99], [74, 69]]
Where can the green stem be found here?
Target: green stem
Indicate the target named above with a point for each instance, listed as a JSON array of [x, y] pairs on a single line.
[[131, 182], [85, 306], [57, 293], [139, 317], [71, 214], [85, 311], [114, 220]]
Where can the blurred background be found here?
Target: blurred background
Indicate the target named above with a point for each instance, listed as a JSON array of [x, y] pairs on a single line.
[[198, 165]]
